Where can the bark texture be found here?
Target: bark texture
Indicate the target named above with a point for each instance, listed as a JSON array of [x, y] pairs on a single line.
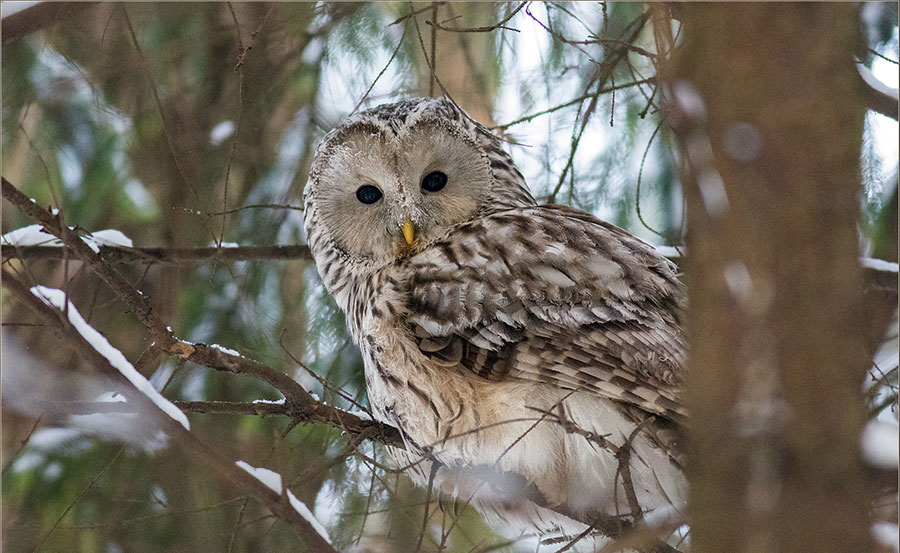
[[768, 114]]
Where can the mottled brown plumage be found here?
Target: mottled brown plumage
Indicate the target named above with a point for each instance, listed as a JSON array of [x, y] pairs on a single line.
[[520, 346]]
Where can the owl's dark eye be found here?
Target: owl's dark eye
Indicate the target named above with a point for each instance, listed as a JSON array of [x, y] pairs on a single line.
[[368, 194], [434, 181]]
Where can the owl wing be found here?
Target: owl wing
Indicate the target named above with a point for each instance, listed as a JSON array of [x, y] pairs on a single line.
[[551, 294]]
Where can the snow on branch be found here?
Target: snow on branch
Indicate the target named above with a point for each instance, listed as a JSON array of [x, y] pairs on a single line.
[[304, 511], [268, 477], [57, 299], [91, 349], [273, 481], [301, 405], [34, 235]]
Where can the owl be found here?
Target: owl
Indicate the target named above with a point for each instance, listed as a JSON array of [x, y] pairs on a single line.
[[531, 356]]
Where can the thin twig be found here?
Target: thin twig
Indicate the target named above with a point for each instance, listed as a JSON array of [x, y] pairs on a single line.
[[22, 444], [297, 398], [170, 142], [78, 498], [210, 457], [412, 14], [572, 102], [487, 29]]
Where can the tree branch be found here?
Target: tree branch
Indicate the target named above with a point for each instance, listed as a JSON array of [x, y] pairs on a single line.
[[300, 403], [278, 504], [170, 256], [499, 25]]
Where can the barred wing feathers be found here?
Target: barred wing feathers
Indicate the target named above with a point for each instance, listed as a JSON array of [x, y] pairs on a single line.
[[551, 294]]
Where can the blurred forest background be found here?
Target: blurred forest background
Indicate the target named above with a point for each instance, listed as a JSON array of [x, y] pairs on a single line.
[[192, 125]]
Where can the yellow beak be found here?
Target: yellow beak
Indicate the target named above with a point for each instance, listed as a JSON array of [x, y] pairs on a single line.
[[409, 232]]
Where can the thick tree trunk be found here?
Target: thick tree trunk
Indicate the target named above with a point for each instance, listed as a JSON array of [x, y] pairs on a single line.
[[769, 121]]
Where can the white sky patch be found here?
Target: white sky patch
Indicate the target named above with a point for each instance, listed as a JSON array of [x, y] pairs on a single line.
[[138, 194], [668, 251], [329, 502], [345, 78], [71, 172], [221, 132], [887, 533], [56, 298], [869, 76], [313, 51], [304, 511], [270, 478], [9, 8], [885, 71], [884, 129], [880, 442]]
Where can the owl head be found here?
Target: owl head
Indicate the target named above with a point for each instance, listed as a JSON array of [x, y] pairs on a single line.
[[392, 180]]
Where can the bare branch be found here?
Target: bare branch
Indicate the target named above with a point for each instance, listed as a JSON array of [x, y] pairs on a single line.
[[573, 102], [413, 14], [300, 402], [137, 302], [487, 29], [168, 256], [278, 504]]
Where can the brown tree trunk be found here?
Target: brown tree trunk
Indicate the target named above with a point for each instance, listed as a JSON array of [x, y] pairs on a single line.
[[769, 122]]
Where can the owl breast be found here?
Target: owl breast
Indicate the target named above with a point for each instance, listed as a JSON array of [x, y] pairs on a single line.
[[471, 424]]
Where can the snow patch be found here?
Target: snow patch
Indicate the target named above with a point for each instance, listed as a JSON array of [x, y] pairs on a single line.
[[270, 478], [111, 397], [270, 401], [304, 511], [34, 235], [223, 349], [361, 414], [56, 298], [111, 237]]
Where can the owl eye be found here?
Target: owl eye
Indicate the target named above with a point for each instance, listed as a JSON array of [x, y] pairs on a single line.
[[368, 194], [434, 181]]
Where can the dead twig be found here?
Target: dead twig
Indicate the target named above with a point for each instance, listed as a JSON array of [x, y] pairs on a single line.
[[486, 29], [277, 503], [301, 403]]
